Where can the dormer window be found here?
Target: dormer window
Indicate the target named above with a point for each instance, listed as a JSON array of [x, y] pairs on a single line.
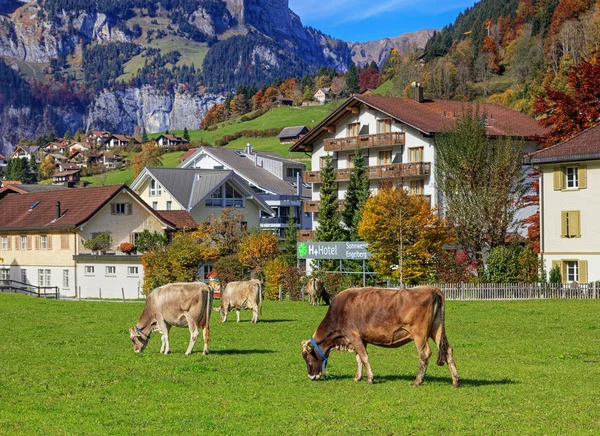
[[155, 188]]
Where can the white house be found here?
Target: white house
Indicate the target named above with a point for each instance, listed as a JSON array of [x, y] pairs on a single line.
[[569, 208], [322, 95], [170, 140], [396, 137]]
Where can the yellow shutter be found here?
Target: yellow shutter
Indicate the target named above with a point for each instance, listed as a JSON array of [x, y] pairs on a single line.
[[64, 242], [582, 267], [559, 178], [563, 224], [29, 244], [563, 271], [9, 242], [574, 224], [582, 177], [49, 242], [37, 241]]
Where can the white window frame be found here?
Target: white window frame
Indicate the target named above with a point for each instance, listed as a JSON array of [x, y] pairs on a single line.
[[23, 242], [4, 245], [43, 242], [111, 271], [155, 205], [572, 270], [48, 274], [169, 205], [89, 270], [155, 188], [4, 274], [571, 178], [65, 278], [133, 271], [41, 277]]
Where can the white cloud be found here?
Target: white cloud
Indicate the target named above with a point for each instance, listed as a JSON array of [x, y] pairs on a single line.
[[342, 11]]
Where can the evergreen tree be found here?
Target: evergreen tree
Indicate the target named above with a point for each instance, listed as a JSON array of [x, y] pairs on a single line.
[[356, 195], [17, 169], [144, 135], [31, 171], [68, 135], [374, 65], [186, 134], [329, 229], [352, 83], [290, 240]]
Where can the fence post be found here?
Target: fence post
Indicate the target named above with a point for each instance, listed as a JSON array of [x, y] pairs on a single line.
[[594, 289], [39, 293], [123, 293], [57, 293], [302, 292], [80, 293], [280, 293], [100, 292], [462, 290]]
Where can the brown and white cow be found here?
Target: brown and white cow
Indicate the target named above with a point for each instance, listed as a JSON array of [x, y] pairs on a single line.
[[175, 304], [383, 317], [316, 291], [241, 295]]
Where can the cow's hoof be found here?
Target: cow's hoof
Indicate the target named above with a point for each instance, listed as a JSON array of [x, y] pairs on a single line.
[[417, 383], [204, 353], [456, 384], [356, 379], [370, 381]]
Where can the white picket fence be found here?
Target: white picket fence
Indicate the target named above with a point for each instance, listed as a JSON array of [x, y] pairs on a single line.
[[519, 291]]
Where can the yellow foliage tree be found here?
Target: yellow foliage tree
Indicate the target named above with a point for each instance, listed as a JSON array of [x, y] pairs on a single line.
[[148, 157], [47, 168], [256, 249], [404, 235]]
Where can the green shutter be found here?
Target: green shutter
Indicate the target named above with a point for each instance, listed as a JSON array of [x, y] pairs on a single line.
[[582, 177]]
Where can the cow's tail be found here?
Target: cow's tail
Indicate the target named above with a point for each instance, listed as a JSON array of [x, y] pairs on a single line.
[[260, 297], [438, 321], [326, 297], [209, 300]]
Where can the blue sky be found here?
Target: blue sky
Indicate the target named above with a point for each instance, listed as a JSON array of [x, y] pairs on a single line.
[[365, 20]]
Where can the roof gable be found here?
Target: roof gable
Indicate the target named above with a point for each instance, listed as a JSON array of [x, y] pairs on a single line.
[[583, 146]]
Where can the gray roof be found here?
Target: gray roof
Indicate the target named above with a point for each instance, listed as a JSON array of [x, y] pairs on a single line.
[[244, 166], [292, 132], [190, 186], [38, 188]]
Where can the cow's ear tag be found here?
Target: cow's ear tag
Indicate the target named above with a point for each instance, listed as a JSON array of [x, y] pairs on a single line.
[[310, 348]]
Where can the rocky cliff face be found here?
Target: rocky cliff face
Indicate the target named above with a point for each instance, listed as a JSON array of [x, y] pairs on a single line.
[[25, 37], [156, 110], [365, 52]]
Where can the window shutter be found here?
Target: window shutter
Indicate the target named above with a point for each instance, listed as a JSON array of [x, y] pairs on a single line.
[[563, 271], [559, 178], [9, 242], [563, 224], [29, 244], [37, 242], [582, 177], [113, 208], [17, 243], [64, 242], [583, 276], [128, 208], [574, 224], [49, 243]]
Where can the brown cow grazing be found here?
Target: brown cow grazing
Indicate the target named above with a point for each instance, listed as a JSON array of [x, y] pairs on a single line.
[[316, 291], [241, 295], [175, 304], [383, 317]]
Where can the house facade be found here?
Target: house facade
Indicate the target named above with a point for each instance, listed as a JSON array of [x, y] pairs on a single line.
[[322, 95], [42, 236], [201, 192], [28, 152], [569, 189], [289, 135], [396, 138], [276, 180], [170, 140], [121, 141]]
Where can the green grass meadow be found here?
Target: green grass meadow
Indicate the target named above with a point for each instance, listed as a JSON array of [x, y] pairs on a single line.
[[529, 367]]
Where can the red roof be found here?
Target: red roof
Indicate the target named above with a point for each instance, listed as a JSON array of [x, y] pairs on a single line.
[[188, 154], [181, 219], [2, 157], [583, 146]]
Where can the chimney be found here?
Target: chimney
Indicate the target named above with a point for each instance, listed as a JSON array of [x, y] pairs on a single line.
[[248, 148], [418, 92], [57, 209]]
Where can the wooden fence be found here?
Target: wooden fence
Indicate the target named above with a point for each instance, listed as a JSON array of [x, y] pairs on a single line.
[[17, 287]]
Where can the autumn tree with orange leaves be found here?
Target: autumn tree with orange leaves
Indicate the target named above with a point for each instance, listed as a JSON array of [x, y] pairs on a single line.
[[256, 249], [404, 234]]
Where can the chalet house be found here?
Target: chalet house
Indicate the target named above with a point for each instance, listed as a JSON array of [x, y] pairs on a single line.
[[59, 146], [110, 160], [3, 162], [121, 141], [276, 180], [67, 178], [289, 135], [569, 191], [396, 137], [322, 95], [42, 234], [201, 192], [97, 138], [78, 147], [20, 188], [67, 166], [84, 158], [28, 152], [170, 140]]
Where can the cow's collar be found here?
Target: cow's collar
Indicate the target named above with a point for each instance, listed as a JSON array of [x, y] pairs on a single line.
[[141, 333], [323, 356]]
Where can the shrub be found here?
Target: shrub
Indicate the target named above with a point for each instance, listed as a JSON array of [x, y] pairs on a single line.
[[335, 283], [126, 247], [511, 264], [555, 276], [229, 269], [147, 241], [101, 242], [275, 270], [291, 282]]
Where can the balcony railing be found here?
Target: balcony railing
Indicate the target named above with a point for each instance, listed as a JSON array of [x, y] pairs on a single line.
[[313, 205], [305, 235], [278, 220], [404, 170], [365, 141]]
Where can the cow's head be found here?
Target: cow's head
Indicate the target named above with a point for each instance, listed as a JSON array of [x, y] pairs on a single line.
[[139, 341], [222, 314], [314, 361]]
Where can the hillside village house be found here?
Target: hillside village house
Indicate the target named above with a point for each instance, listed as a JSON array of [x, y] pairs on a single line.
[[276, 180], [97, 138], [322, 95], [396, 137], [569, 192], [170, 140], [28, 152], [3, 162], [42, 233], [289, 135], [201, 192], [21, 188], [121, 141], [67, 178]]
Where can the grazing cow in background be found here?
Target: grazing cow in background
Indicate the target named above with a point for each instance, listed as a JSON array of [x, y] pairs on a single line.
[[241, 295], [316, 291], [175, 304], [383, 317]]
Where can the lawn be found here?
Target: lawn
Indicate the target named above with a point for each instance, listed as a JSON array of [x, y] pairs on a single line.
[[528, 367]]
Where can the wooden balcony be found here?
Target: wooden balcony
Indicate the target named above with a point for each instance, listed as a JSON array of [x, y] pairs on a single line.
[[305, 235], [365, 141], [395, 171], [313, 205]]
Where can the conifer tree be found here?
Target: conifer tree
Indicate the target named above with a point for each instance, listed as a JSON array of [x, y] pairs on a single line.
[[144, 136], [329, 229], [352, 83], [290, 240], [186, 134], [356, 195]]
